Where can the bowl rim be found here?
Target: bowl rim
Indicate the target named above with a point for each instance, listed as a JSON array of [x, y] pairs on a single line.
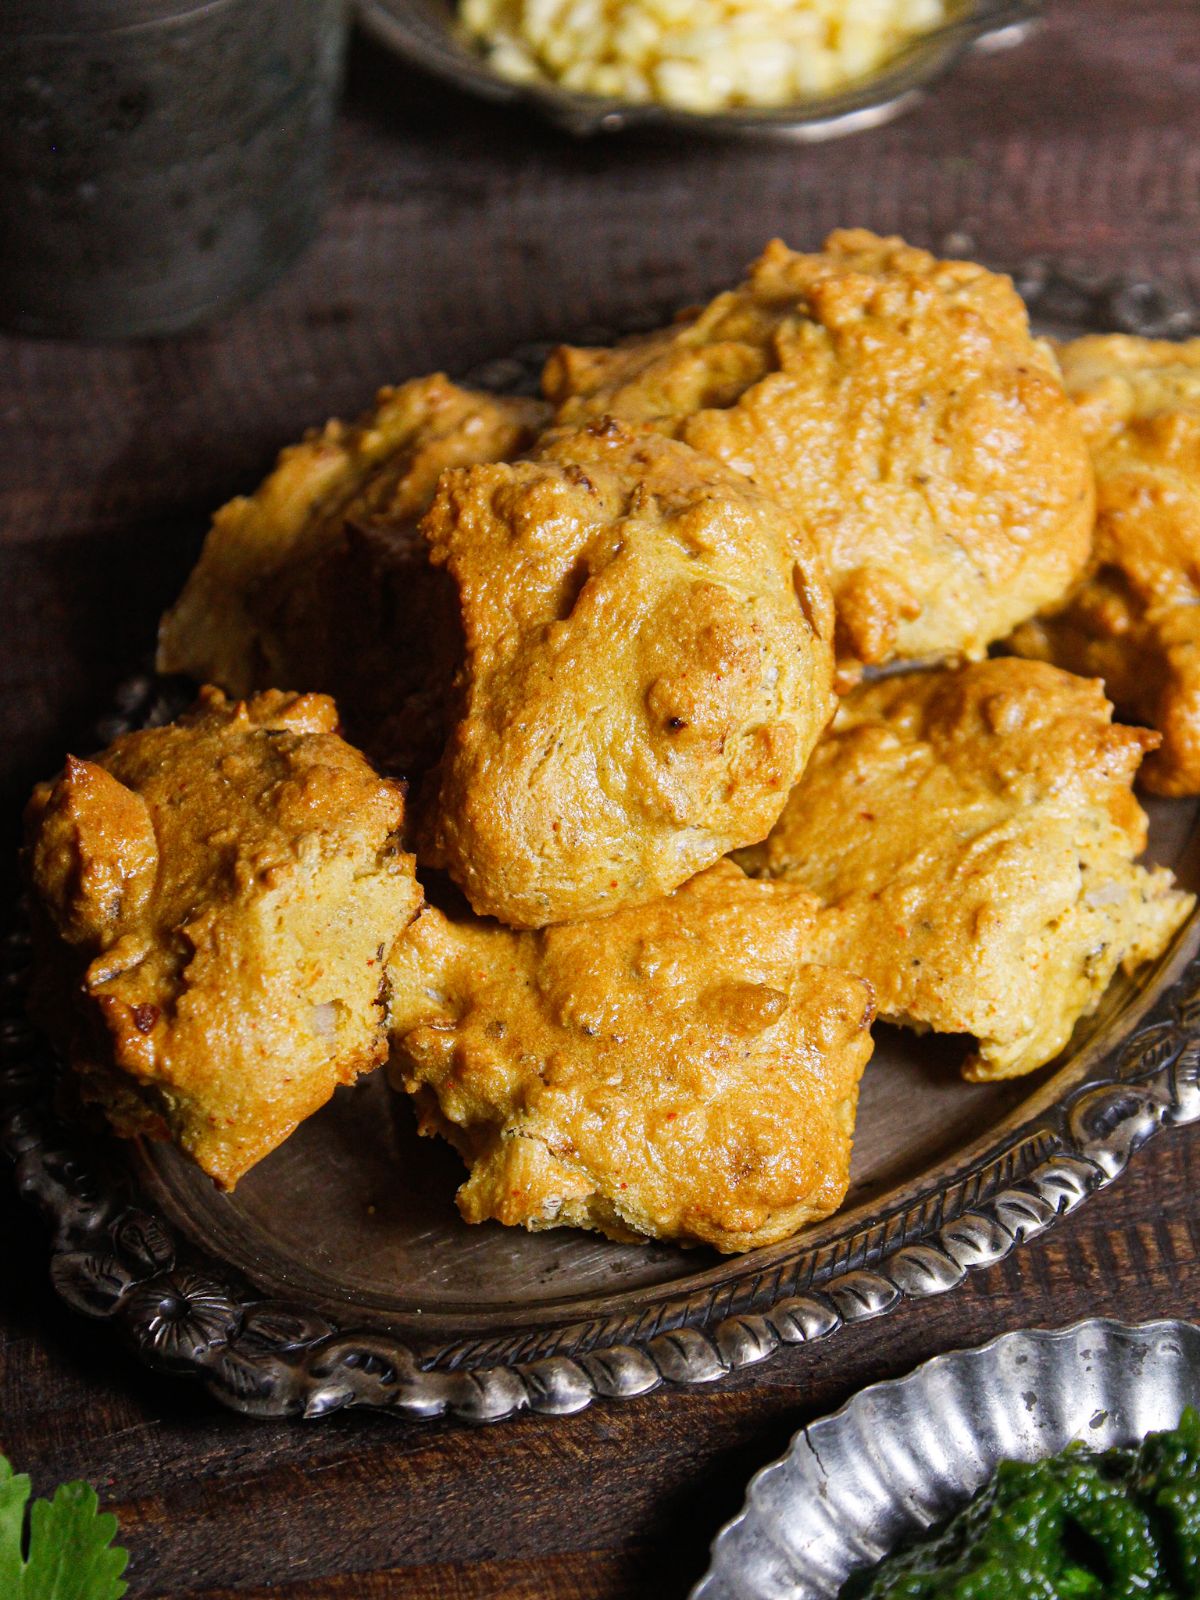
[[1106, 1330], [405, 27]]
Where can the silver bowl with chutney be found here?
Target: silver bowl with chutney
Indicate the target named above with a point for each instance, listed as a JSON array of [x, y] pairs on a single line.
[[426, 32], [904, 1455]]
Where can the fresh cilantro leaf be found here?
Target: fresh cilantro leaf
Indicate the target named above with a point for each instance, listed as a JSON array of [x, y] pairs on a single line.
[[14, 1492], [71, 1555]]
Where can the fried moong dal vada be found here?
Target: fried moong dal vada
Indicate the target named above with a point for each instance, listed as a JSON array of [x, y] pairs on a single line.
[[973, 835], [1134, 620], [899, 410], [681, 1070], [213, 904], [648, 664], [319, 580]]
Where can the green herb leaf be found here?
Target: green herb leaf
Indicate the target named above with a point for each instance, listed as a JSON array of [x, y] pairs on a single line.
[[70, 1554], [14, 1492]]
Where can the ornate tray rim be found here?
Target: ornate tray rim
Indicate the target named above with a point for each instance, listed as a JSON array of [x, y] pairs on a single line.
[[114, 1258], [1118, 1352], [407, 29]]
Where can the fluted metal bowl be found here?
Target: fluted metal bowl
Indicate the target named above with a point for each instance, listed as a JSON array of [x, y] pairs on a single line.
[[903, 1455], [426, 32]]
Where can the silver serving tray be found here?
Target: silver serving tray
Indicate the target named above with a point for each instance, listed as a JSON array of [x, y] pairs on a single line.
[[426, 33], [340, 1274], [903, 1455]]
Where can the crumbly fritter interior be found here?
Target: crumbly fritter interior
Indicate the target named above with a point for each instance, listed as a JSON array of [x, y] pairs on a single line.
[[676, 1071], [214, 904], [648, 664], [973, 835], [1135, 619], [898, 409]]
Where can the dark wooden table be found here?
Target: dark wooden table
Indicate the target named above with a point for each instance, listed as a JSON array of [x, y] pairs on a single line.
[[455, 231]]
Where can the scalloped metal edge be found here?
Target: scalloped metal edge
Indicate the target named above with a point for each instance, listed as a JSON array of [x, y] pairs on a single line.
[[983, 25], [113, 1259], [899, 1493]]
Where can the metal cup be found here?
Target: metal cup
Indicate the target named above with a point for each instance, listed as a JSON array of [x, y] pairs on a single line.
[[159, 159]]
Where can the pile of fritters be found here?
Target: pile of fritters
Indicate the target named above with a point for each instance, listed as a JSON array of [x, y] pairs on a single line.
[[622, 885]]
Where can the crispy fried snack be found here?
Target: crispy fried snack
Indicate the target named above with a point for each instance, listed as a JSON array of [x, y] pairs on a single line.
[[320, 580], [679, 1071], [973, 835], [648, 666], [214, 903], [1135, 619], [899, 410]]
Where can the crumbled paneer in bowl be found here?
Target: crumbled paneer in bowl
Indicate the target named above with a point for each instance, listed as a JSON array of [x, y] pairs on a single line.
[[697, 55]]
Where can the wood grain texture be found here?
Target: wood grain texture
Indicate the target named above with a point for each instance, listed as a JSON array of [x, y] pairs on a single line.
[[456, 231]]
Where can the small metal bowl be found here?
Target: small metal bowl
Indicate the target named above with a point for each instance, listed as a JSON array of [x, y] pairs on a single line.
[[905, 1454], [427, 33]]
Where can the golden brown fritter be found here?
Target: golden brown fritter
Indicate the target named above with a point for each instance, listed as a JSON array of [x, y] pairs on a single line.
[[648, 665], [320, 580], [214, 903], [900, 412], [679, 1071], [973, 834], [1135, 619]]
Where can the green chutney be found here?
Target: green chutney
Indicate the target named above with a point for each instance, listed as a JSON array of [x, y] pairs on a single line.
[[1083, 1525]]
